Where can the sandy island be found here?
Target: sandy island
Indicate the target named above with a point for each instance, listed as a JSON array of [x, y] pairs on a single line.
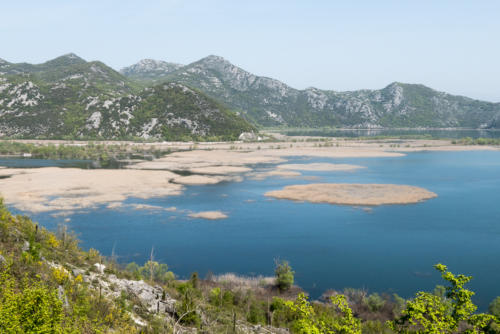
[[52, 188], [211, 215], [197, 180], [353, 194]]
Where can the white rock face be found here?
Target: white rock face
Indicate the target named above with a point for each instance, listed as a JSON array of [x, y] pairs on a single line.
[[275, 116], [108, 103], [94, 120], [316, 98], [25, 94], [148, 127], [92, 101]]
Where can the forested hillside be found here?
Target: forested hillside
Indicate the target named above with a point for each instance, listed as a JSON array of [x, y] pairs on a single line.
[[70, 98]]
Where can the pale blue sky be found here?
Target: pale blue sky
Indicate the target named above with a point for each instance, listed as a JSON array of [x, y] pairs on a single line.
[[451, 45]]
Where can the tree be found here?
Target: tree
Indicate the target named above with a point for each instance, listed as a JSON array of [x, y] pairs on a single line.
[[308, 322], [284, 275], [431, 313], [156, 271], [494, 307]]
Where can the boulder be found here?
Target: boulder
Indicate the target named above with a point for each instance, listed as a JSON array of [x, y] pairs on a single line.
[[100, 267]]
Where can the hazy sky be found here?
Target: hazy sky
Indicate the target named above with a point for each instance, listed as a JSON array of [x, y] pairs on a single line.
[[452, 46]]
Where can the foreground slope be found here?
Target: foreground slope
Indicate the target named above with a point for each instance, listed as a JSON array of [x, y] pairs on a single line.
[[269, 102], [71, 98]]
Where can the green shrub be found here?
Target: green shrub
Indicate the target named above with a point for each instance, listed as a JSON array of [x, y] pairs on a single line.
[[284, 275], [494, 307], [375, 302]]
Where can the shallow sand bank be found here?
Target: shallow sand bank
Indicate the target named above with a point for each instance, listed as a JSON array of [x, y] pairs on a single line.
[[222, 161], [52, 188], [198, 180], [353, 194], [211, 215]]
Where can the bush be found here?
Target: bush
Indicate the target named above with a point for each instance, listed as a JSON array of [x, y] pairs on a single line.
[[375, 302], [431, 314], [494, 307], [284, 275], [256, 314]]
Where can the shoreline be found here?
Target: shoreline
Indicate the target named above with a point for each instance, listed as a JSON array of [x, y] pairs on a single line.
[[70, 189]]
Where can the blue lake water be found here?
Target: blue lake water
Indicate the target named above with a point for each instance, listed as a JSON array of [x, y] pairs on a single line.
[[385, 249], [431, 133]]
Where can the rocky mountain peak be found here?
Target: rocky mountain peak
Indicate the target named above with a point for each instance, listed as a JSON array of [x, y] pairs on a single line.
[[65, 60], [394, 85], [215, 62], [71, 55], [213, 58], [149, 66]]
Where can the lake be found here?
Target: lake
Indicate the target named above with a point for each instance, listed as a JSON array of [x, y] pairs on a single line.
[[381, 249], [426, 133]]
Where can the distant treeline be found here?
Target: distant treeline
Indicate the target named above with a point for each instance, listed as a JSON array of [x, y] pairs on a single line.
[[476, 141]]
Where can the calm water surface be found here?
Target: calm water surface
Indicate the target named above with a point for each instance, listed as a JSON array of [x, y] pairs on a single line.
[[431, 133], [383, 249]]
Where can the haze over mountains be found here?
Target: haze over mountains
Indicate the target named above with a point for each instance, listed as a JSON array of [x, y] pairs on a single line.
[[210, 98]]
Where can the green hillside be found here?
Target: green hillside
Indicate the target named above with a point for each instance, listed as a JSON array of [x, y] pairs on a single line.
[[70, 98], [269, 102]]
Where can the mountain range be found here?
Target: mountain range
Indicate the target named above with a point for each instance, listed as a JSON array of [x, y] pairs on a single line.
[[209, 99], [269, 102], [69, 97]]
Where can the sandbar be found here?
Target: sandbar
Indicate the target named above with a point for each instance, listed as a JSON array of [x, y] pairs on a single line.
[[53, 188], [222, 161], [196, 180], [211, 215], [353, 194], [220, 170]]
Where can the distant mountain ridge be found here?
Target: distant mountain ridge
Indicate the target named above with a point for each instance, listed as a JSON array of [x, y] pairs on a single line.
[[269, 102], [149, 70], [68, 97]]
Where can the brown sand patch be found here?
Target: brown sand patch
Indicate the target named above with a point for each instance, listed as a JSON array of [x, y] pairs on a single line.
[[220, 170], [52, 188], [211, 215], [222, 161], [195, 180], [353, 194]]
